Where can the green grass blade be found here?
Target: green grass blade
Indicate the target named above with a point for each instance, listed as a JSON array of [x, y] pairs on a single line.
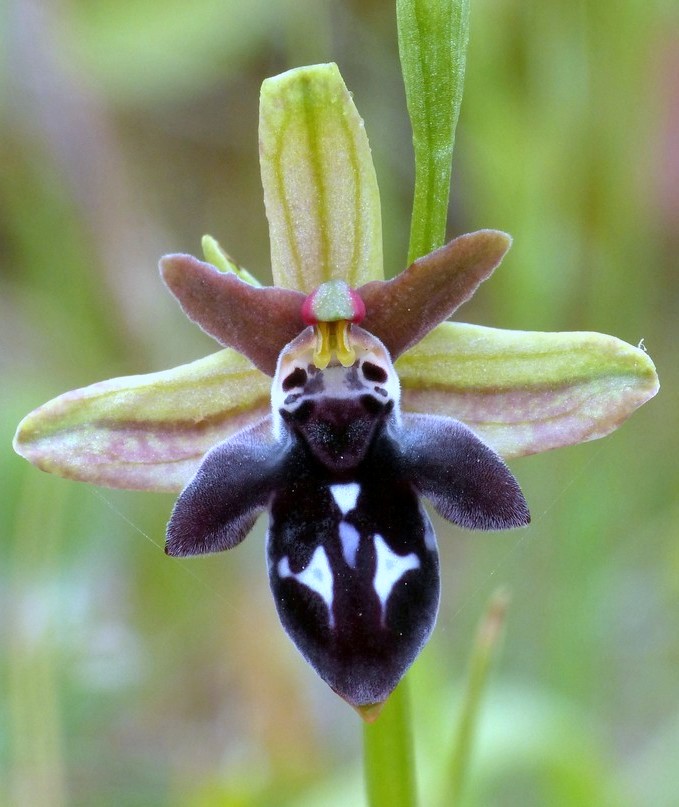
[[488, 638]]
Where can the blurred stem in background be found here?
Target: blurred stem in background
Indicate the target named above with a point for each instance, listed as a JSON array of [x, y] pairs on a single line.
[[37, 775], [488, 638]]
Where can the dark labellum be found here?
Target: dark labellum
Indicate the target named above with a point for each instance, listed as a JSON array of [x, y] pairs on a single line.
[[352, 555]]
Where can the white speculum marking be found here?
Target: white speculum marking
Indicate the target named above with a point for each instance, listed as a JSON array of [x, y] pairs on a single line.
[[345, 496], [317, 576], [389, 569], [349, 539]]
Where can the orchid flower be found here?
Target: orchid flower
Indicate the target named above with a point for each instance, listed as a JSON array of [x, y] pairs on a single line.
[[376, 402]]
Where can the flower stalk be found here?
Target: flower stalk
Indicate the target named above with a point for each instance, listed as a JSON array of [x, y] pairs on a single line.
[[432, 37], [388, 753]]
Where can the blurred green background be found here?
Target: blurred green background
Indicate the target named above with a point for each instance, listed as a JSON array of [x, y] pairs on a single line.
[[129, 128]]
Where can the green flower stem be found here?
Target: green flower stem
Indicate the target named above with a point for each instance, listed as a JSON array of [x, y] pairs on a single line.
[[432, 38], [388, 754], [488, 639]]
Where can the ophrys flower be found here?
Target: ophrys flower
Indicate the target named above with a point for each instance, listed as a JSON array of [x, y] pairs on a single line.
[[337, 449]]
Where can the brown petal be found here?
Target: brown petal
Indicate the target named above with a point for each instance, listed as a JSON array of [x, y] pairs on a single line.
[[257, 322], [402, 311]]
